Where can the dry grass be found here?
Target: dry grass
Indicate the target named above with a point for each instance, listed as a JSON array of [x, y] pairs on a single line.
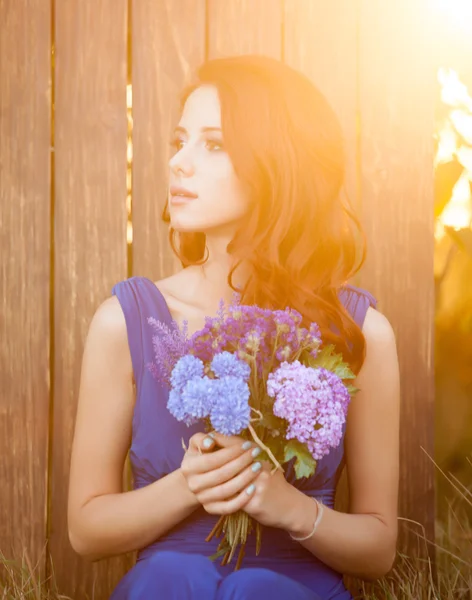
[[411, 579], [451, 577], [21, 580]]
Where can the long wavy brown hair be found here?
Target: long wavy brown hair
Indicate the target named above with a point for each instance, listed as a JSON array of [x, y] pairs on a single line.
[[302, 243]]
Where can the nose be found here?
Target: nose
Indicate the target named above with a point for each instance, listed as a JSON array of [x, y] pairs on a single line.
[[181, 164]]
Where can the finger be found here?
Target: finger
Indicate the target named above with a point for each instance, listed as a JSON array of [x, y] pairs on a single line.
[[197, 443], [209, 461], [231, 506], [226, 441], [231, 487], [228, 470]]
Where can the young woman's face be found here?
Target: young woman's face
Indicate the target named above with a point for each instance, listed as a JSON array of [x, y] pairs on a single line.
[[202, 168]]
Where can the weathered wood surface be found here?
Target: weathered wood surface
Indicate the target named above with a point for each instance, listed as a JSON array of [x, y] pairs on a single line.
[[90, 235], [397, 91], [25, 325], [168, 44], [244, 27], [321, 40]]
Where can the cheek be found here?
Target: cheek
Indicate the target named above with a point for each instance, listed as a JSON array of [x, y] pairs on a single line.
[[224, 193], [221, 199]]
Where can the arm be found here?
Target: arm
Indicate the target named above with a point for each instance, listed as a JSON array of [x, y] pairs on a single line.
[[103, 521], [363, 543]]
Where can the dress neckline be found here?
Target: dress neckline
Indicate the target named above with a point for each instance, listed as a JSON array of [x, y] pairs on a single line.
[[162, 299]]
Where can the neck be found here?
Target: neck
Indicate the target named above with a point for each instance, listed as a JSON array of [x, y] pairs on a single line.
[[215, 270]]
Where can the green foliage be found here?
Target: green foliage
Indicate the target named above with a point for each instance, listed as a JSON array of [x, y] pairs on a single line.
[[305, 464], [330, 359]]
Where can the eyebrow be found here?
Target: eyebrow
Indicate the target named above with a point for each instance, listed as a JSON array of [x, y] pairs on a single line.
[[203, 129]]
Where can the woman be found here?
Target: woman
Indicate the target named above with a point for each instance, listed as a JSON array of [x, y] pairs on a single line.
[[254, 205]]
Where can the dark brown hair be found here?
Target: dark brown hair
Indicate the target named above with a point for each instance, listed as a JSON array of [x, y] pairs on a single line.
[[301, 241]]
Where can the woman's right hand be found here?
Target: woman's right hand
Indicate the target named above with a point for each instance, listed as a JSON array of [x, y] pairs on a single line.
[[221, 479]]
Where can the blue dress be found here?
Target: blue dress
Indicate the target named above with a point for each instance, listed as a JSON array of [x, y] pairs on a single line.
[[176, 566]]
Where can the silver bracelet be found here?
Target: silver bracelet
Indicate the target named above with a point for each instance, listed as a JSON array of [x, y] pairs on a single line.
[[315, 526]]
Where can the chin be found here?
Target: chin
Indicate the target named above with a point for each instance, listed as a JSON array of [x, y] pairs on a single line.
[[182, 227]]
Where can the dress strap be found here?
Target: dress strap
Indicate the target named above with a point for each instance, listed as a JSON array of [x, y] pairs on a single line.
[[127, 292], [140, 299], [357, 301]]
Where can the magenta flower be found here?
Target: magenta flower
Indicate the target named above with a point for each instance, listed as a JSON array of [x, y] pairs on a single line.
[[314, 401]]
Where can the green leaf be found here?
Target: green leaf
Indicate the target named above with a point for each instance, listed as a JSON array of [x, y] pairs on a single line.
[[270, 421], [305, 464], [351, 389], [333, 361]]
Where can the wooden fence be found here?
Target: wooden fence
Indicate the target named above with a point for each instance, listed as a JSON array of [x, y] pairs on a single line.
[[65, 67]]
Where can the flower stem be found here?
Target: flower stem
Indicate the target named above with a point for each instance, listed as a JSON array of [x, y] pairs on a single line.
[[213, 532], [264, 447], [225, 559], [258, 538], [242, 552], [237, 535]]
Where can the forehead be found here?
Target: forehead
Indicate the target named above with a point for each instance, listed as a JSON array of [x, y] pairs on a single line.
[[202, 108]]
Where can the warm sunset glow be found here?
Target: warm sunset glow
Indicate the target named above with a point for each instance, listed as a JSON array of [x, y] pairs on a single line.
[[129, 160], [457, 12], [456, 130]]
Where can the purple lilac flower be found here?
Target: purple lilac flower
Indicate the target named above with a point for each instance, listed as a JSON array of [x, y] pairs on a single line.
[[306, 397], [227, 330], [227, 364], [169, 343], [231, 411], [315, 332]]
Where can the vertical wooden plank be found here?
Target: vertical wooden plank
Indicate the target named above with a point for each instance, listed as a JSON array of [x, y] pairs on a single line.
[[244, 27], [168, 44], [25, 108], [90, 234], [321, 40], [397, 94]]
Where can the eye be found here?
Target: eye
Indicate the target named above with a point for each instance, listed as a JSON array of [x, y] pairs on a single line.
[[176, 143], [214, 145]]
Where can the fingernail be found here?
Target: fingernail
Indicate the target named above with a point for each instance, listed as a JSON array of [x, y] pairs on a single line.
[[207, 442], [256, 452], [212, 435], [256, 466], [250, 489], [247, 445]]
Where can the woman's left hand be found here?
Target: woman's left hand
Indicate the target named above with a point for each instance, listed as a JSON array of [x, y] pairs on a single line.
[[274, 499]]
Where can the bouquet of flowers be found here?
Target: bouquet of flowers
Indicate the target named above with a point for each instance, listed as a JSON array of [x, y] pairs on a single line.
[[257, 373]]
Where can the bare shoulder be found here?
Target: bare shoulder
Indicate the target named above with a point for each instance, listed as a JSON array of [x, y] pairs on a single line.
[[109, 316], [108, 333], [377, 329], [109, 320]]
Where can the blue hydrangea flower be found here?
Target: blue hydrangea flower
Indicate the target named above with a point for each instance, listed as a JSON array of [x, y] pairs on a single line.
[[175, 405], [188, 367], [231, 412], [226, 364], [194, 401], [198, 397]]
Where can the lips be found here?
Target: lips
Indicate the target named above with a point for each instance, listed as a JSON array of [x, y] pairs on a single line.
[[180, 192]]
